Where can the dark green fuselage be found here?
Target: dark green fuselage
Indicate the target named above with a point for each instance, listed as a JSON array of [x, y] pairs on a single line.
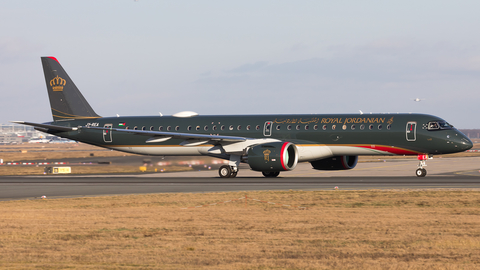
[[374, 134]]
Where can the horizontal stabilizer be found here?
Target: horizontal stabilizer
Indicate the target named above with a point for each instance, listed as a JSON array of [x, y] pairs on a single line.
[[46, 126]]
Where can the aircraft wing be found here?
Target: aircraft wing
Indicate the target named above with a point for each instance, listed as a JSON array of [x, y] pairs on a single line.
[[158, 136], [155, 136]]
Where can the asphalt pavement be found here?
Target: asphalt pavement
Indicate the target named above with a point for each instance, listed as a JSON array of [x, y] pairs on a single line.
[[450, 173]]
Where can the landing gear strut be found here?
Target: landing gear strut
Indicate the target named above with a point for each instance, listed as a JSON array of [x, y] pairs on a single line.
[[421, 172]]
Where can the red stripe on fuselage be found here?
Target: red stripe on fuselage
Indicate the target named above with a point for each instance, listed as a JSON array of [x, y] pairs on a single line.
[[392, 150]]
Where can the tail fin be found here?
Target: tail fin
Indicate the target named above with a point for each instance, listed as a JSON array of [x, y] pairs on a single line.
[[66, 100]]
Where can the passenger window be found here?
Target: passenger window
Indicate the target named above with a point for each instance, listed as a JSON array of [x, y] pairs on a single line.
[[160, 128], [189, 128], [353, 127], [197, 128], [135, 128], [315, 127], [324, 127], [177, 128], [214, 128], [289, 127], [151, 128], [169, 128], [222, 127], [205, 128], [362, 126], [389, 127], [278, 127], [306, 127], [370, 127], [230, 127], [257, 127], [333, 127], [344, 127], [380, 127], [297, 127], [126, 127], [143, 128], [248, 127], [239, 127]]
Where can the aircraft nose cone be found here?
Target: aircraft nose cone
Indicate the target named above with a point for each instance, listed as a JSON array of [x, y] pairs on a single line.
[[466, 143]]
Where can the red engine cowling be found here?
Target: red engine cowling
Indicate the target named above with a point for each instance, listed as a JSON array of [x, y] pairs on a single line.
[[273, 157], [336, 163]]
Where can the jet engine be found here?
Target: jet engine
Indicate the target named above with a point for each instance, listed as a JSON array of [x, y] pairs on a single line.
[[336, 163], [273, 157]]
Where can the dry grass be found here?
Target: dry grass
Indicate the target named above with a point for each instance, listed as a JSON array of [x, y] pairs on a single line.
[[58, 152], [93, 169], [340, 230], [42, 151]]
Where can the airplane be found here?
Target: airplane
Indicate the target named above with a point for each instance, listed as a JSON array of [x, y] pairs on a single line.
[[269, 144]]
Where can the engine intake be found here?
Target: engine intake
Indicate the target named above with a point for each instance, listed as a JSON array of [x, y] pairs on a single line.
[[336, 163], [273, 157]]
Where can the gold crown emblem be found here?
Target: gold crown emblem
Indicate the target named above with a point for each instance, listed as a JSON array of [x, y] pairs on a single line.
[[57, 83], [266, 154]]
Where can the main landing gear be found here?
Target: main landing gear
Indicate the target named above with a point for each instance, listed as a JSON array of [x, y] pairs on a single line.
[[421, 172], [227, 171], [270, 174], [230, 170]]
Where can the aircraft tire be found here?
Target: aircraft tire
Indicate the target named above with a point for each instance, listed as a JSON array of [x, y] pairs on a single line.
[[233, 175], [421, 172], [225, 171], [270, 174]]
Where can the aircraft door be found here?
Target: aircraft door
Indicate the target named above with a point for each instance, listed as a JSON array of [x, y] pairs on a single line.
[[411, 131], [267, 129], [107, 133]]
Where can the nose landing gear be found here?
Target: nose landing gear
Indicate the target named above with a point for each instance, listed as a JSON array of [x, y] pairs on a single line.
[[421, 172]]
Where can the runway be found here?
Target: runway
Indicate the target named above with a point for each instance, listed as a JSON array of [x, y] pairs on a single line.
[[461, 173]]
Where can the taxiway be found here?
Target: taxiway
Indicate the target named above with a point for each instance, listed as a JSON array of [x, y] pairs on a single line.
[[460, 173]]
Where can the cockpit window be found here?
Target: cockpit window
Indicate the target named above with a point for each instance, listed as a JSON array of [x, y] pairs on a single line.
[[439, 125]]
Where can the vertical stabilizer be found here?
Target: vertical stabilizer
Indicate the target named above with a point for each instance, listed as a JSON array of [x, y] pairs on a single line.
[[66, 100]]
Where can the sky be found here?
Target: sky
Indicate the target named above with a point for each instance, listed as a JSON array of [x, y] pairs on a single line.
[[148, 57]]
